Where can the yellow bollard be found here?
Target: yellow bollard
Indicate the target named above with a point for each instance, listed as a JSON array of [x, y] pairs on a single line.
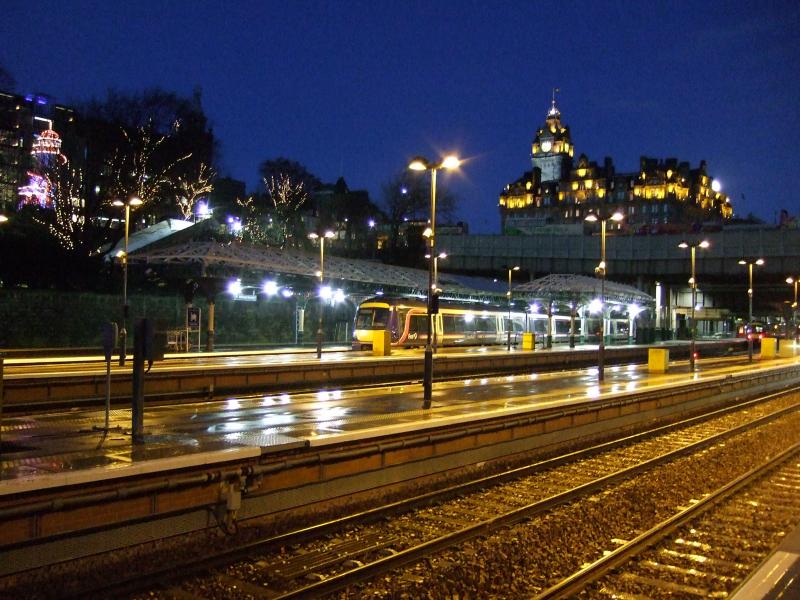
[[657, 360], [381, 343], [786, 349], [768, 349], [528, 341]]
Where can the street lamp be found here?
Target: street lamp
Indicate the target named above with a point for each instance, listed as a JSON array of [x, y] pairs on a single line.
[[123, 333], [600, 271], [750, 263], [693, 284], [423, 164], [790, 281], [322, 236], [3, 218], [508, 294]]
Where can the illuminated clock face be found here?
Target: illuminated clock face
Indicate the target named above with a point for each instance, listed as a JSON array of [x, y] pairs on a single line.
[[546, 145]]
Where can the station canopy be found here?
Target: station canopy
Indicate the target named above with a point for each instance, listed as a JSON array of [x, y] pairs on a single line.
[[580, 289], [210, 259], [220, 260]]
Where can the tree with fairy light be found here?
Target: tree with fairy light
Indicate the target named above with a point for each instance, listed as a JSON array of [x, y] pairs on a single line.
[[155, 145]]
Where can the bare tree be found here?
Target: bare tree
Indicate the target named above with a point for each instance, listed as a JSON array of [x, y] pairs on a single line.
[[68, 221], [191, 187], [135, 169], [254, 228], [288, 198]]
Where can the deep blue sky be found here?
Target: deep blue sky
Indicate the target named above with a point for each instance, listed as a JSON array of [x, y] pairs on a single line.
[[356, 88]]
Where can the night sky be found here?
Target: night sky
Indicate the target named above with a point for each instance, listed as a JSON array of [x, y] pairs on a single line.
[[357, 88]]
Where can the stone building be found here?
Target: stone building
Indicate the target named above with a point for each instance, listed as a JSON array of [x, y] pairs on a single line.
[[663, 196]]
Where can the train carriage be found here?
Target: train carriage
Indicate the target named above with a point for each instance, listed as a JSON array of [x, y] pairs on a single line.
[[459, 323]]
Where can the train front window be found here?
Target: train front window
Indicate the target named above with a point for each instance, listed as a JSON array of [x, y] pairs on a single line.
[[372, 318]]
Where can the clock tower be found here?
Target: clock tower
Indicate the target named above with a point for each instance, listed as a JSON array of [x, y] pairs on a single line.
[[552, 149]]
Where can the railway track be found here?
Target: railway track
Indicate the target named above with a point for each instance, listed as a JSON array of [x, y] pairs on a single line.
[[350, 553], [705, 550]]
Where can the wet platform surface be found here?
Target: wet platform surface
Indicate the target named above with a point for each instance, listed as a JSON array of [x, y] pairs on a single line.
[[59, 448], [95, 365]]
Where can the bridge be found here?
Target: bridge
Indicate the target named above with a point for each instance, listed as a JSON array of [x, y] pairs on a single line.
[[647, 259]]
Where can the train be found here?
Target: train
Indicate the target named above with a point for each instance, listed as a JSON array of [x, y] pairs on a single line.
[[463, 324]]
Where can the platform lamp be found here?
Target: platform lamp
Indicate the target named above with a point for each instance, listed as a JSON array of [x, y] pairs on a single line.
[[123, 256], [3, 218], [508, 295], [793, 281], [423, 164], [322, 236], [693, 284], [600, 271], [749, 263]]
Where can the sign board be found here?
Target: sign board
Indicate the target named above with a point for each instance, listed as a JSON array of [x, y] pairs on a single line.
[[109, 335], [193, 317]]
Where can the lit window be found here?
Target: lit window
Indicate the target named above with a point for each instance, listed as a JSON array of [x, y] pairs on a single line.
[[581, 172], [574, 185], [589, 184]]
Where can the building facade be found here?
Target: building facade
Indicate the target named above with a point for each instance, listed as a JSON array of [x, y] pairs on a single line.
[[664, 196], [34, 131]]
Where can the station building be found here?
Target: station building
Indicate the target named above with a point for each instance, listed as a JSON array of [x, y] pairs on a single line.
[[663, 196]]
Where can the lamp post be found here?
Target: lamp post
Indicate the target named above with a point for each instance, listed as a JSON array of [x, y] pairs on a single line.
[[422, 164], [693, 284], [123, 333], [749, 264], [322, 236], [508, 294], [442, 256], [600, 271], [790, 281]]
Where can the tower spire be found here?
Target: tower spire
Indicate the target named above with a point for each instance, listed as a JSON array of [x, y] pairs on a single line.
[[554, 112]]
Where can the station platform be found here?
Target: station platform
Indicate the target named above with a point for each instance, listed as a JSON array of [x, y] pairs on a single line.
[[41, 451], [64, 382]]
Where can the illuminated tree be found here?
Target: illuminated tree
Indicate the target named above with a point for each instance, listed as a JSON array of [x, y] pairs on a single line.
[[154, 144], [254, 223], [135, 169], [67, 221], [192, 187], [288, 197]]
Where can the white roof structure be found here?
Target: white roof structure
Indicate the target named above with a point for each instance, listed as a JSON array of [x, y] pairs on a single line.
[[145, 237], [579, 288], [204, 259]]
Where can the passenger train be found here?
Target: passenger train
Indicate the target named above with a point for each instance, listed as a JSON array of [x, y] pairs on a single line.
[[462, 323]]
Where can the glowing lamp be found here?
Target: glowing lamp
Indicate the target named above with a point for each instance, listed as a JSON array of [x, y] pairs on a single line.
[[270, 288], [451, 162], [235, 287]]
